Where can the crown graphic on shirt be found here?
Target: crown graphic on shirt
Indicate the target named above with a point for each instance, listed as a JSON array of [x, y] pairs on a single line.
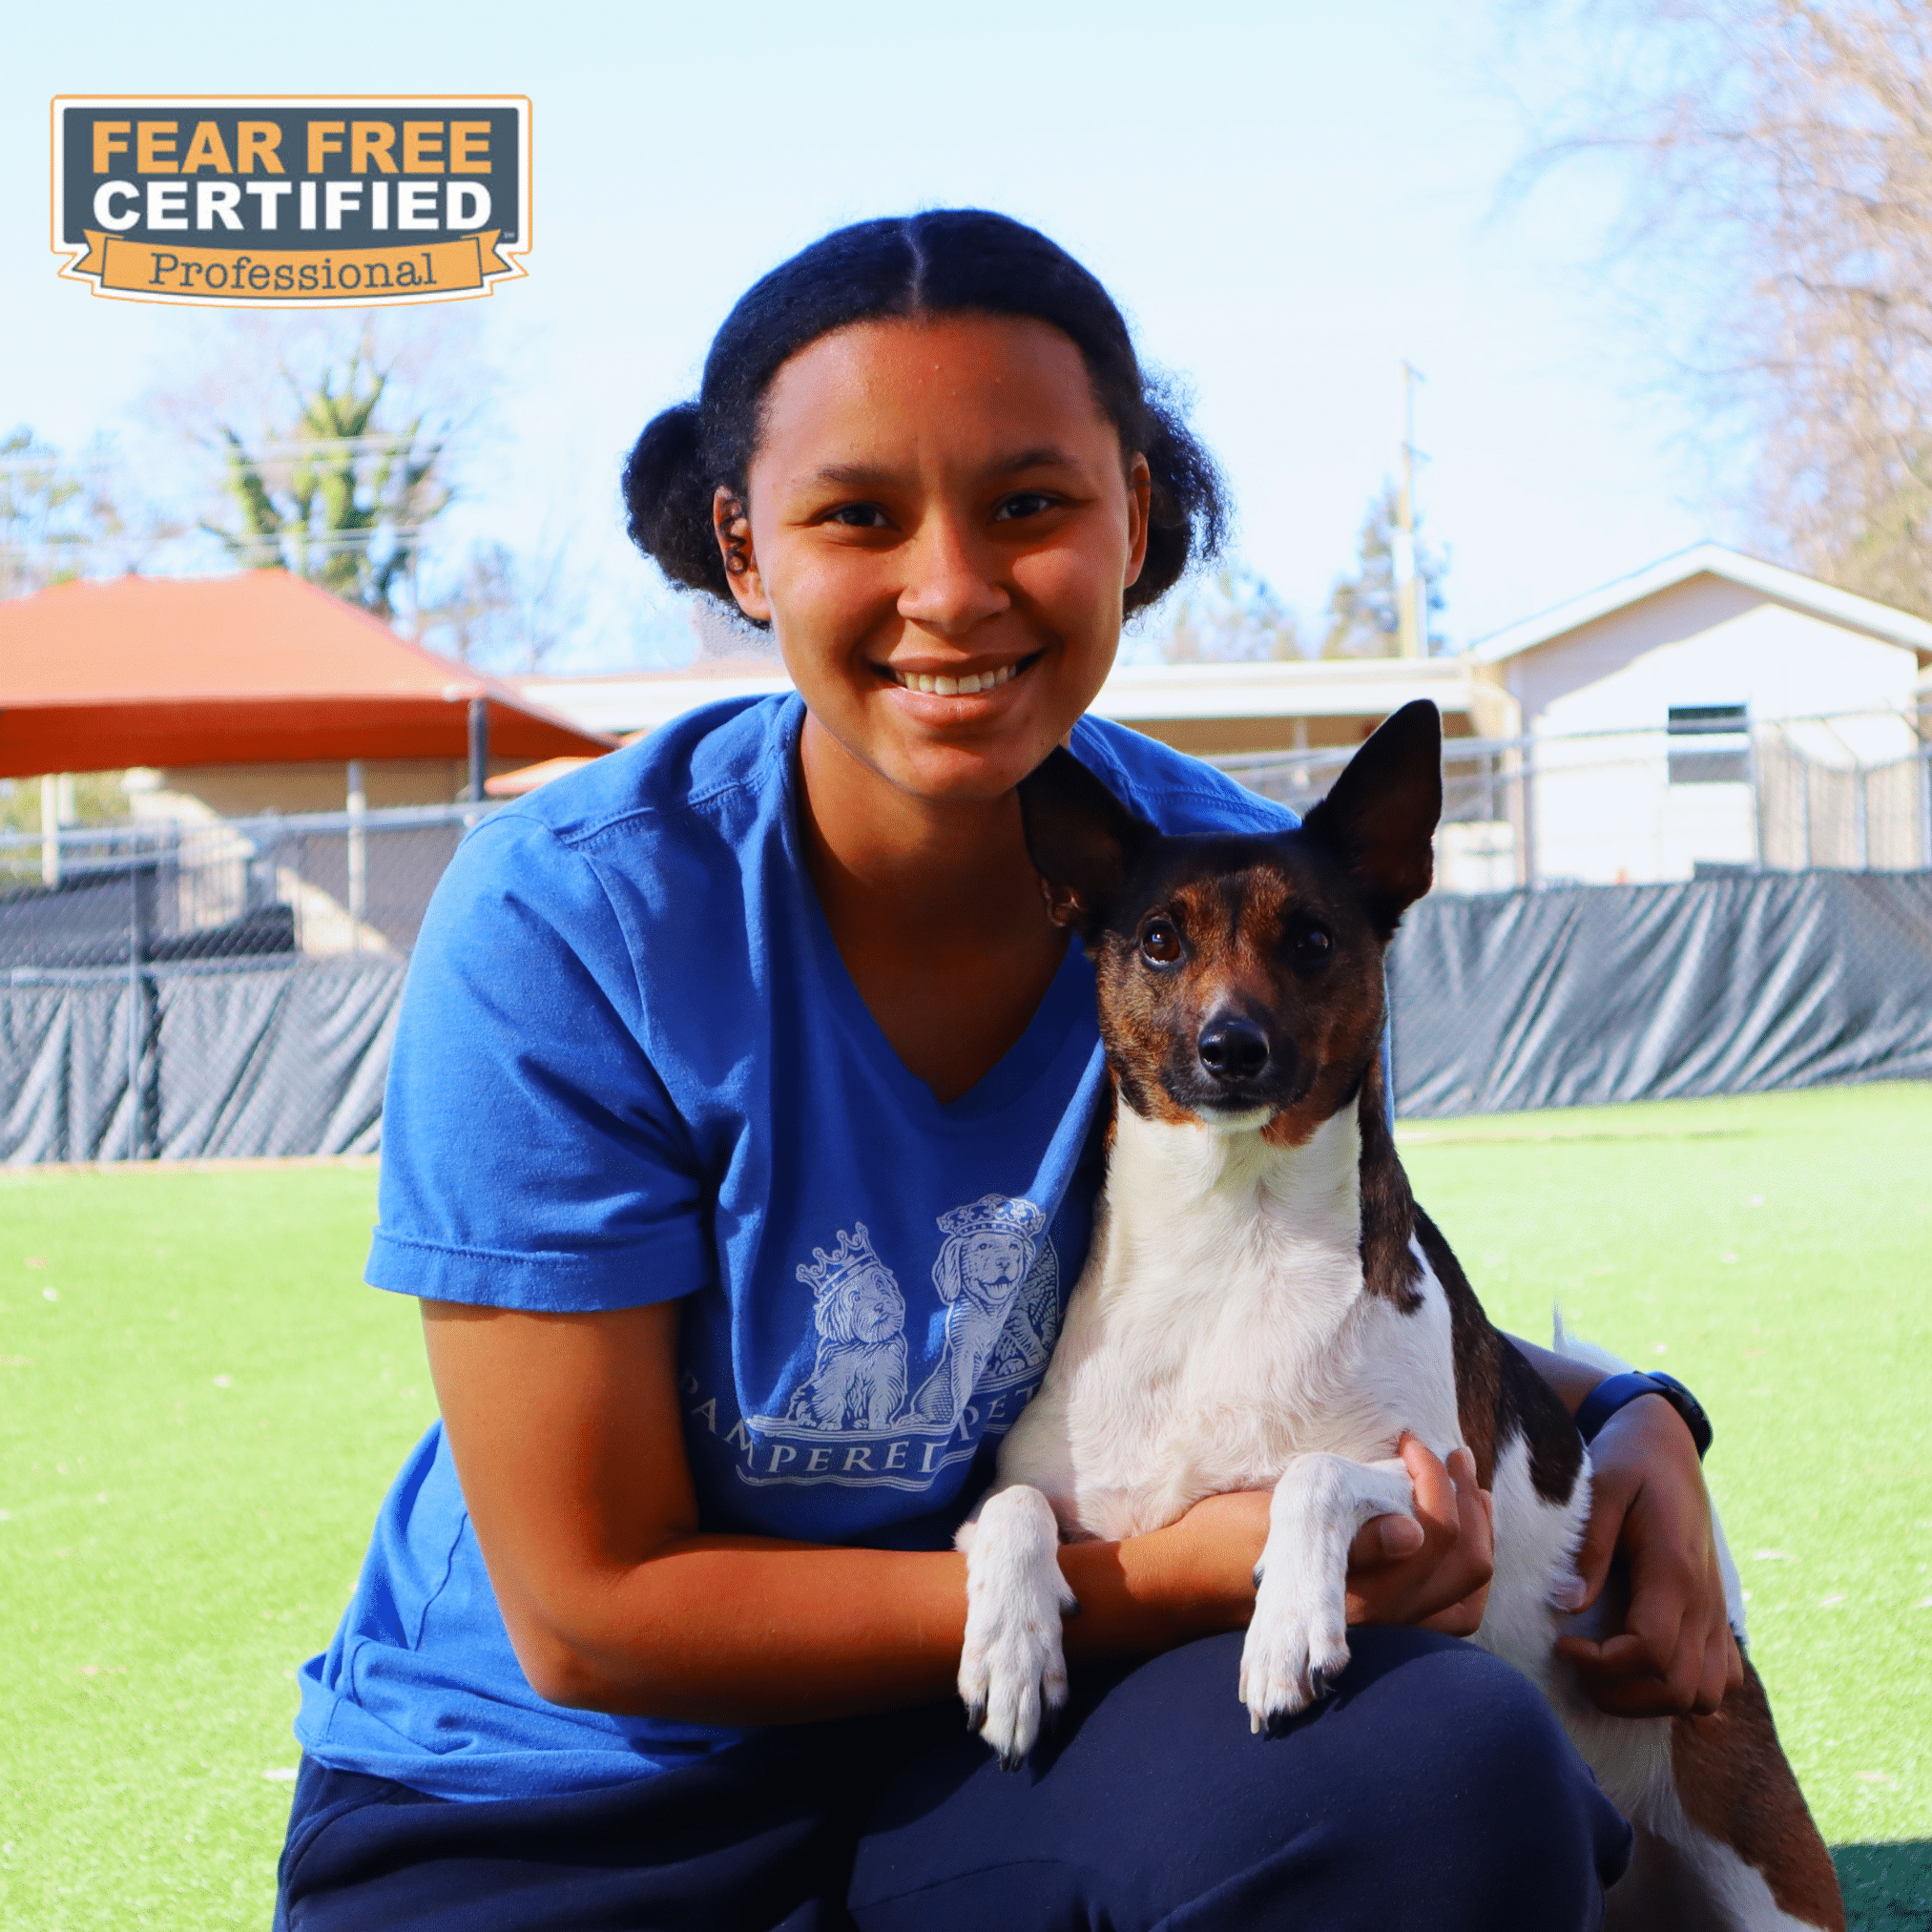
[[1008, 1214], [855, 1254]]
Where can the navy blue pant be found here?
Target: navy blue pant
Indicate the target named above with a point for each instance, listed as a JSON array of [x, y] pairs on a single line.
[[1434, 1790]]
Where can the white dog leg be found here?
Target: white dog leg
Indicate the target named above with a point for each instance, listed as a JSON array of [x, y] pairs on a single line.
[[1297, 1638], [1013, 1666]]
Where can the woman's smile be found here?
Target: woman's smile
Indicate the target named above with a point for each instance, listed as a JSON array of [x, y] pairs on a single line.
[[956, 680]]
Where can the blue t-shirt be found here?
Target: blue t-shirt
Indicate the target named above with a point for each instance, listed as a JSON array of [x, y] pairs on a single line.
[[630, 1067]]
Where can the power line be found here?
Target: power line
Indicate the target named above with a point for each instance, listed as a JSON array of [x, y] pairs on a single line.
[[317, 540], [350, 446], [55, 466]]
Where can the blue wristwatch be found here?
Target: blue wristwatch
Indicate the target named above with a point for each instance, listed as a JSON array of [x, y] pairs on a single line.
[[1609, 1396]]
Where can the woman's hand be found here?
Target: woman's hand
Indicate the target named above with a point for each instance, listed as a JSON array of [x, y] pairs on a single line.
[[1674, 1652], [1435, 1570]]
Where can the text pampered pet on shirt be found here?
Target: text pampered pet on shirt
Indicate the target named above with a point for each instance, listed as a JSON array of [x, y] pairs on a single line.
[[285, 202]]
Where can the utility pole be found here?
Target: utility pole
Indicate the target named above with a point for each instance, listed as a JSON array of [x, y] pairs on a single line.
[[1411, 593]]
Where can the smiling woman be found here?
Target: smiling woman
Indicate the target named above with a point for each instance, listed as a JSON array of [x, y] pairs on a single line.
[[744, 1133]]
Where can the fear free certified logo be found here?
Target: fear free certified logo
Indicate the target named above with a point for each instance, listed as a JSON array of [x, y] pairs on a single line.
[[291, 201]]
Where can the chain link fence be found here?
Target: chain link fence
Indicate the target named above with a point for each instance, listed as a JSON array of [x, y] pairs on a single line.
[[1710, 795], [1711, 909], [202, 990]]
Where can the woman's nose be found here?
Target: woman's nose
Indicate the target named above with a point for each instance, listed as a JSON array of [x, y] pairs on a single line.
[[949, 586]]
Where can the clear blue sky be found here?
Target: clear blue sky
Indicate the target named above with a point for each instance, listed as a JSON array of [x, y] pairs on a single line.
[[1288, 200]]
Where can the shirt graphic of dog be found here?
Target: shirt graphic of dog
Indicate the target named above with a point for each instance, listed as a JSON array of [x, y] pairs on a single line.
[[1032, 1327], [987, 1257], [858, 1379]]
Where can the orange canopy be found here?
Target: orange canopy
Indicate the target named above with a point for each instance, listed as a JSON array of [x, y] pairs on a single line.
[[259, 669]]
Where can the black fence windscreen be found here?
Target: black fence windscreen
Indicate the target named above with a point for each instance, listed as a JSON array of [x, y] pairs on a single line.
[[232, 988], [1581, 995], [208, 990]]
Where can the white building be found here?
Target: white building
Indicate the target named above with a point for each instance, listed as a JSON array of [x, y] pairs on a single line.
[[1713, 711]]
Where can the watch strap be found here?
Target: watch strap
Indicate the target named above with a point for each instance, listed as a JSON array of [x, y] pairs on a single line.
[[1612, 1394]]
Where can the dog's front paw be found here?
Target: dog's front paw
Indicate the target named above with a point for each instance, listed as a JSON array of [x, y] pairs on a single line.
[[1012, 1672], [1297, 1647], [1012, 1668]]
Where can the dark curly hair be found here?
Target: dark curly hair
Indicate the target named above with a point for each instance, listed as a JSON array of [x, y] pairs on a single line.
[[946, 262]]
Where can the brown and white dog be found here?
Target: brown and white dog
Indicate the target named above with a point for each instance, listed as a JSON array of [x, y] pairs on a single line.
[[1265, 1305]]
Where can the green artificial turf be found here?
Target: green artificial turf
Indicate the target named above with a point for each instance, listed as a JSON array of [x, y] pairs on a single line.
[[201, 1406], [1775, 1253]]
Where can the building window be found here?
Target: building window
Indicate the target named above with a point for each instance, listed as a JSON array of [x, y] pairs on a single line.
[[1709, 745]]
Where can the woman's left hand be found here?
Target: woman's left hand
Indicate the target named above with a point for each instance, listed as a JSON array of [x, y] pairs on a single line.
[[1432, 1569], [1675, 1653]]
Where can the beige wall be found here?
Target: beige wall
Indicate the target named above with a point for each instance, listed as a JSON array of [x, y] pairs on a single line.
[[1219, 737], [247, 791]]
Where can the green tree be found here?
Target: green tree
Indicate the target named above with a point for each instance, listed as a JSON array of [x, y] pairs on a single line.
[[91, 798], [343, 487], [1361, 608]]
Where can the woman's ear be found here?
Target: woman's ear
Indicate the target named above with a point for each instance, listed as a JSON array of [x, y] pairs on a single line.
[[731, 522], [1139, 502]]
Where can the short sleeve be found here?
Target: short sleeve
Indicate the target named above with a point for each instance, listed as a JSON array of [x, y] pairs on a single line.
[[531, 1155]]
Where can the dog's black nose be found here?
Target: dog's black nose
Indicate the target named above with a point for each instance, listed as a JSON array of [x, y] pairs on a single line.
[[1233, 1050]]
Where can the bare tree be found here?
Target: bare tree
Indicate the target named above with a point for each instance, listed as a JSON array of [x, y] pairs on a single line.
[[1777, 228], [63, 518], [1231, 617], [507, 612]]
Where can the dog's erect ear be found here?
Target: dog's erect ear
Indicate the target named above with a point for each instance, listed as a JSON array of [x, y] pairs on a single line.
[[1082, 840], [1380, 818]]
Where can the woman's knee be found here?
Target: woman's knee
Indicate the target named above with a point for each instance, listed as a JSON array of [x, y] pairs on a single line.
[[1479, 1764], [1435, 1788]]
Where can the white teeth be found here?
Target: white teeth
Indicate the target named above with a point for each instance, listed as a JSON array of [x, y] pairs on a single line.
[[967, 686]]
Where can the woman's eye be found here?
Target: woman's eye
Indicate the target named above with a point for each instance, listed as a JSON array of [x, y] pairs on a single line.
[[1023, 503], [858, 516], [1159, 942]]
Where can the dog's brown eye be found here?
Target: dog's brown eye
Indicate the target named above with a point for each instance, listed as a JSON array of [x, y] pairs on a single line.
[[1159, 942], [1313, 948]]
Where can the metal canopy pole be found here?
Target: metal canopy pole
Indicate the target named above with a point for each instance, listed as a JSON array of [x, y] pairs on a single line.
[[479, 748], [137, 1000], [357, 855], [49, 829], [1926, 806]]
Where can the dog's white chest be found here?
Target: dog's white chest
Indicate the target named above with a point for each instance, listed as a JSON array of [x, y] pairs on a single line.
[[1221, 1330]]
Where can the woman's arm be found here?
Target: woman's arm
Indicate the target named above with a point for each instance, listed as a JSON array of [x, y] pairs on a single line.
[[1649, 1510], [569, 1448], [1572, 1380]]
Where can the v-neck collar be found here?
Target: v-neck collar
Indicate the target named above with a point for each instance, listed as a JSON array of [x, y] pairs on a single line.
[[1067, 998]]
